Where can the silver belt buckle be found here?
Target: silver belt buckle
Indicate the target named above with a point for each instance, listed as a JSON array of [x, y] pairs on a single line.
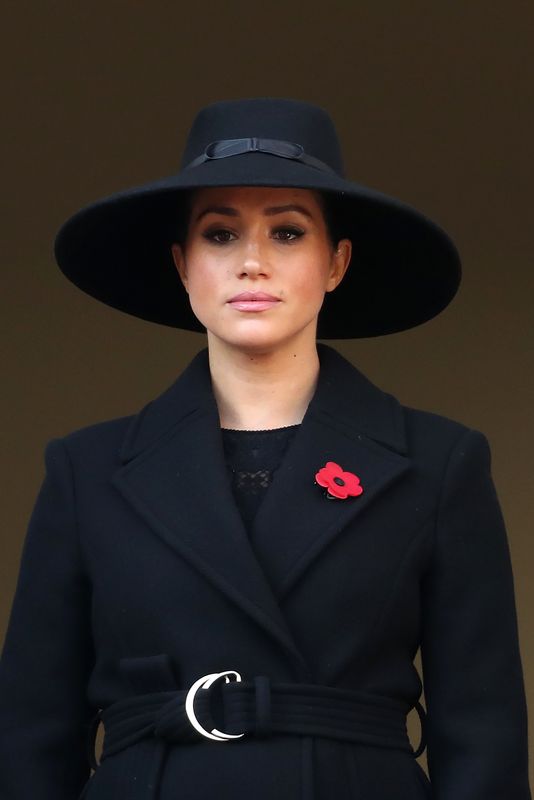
[[204, 683]]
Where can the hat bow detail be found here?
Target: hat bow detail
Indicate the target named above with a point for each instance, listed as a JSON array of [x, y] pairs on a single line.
[[225, 148]]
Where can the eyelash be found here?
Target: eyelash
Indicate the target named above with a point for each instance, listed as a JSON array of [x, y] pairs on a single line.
[[296, 233]]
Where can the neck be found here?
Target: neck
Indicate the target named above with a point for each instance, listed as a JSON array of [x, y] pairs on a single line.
[[261, 390]]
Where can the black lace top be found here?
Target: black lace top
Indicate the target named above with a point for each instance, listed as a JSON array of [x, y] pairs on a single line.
[[252, 458]]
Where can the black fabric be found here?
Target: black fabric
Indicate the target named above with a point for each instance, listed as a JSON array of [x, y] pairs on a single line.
[[302, 708], [137, 576], [252, 458]]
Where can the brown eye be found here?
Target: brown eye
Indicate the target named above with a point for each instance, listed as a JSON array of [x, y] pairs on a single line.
[[219, 236], [288, 234]]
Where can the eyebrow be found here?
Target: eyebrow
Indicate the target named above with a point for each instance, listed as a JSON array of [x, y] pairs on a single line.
[[289, 207], [269, 212]]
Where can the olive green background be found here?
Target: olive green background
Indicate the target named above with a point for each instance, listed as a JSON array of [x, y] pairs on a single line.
[[433, 103]]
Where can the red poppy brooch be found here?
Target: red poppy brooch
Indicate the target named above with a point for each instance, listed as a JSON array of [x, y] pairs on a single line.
[[338, 484]]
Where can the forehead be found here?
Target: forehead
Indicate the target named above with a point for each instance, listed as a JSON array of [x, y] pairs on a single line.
[[255, 197]]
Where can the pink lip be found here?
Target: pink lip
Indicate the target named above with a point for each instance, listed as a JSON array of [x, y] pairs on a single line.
[[253, 301], [253, 305], [254, 296]]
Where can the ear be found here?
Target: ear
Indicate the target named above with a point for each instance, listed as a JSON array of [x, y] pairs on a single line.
[[339, 264], [179, 262]]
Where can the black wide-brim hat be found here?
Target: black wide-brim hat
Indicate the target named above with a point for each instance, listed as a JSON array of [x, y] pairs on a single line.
[[404, 268]]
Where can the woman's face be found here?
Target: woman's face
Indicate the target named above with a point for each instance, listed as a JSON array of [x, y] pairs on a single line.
[[260, 240]]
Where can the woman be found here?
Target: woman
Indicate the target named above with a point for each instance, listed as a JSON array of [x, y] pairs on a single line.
[[236, 579]]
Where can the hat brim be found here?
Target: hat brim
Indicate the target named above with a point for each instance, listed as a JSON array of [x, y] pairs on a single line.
[[404, 270]]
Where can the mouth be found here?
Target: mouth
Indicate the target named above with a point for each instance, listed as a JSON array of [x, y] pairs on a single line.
[[253, 301]]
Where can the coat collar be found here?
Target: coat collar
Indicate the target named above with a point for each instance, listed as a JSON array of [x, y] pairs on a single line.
[[343, 393], [174, 475]]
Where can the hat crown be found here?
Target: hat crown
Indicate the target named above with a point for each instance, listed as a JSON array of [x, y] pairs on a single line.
[[269, 118]]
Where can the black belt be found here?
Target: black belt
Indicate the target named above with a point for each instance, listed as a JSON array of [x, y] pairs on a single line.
[[256, 708]]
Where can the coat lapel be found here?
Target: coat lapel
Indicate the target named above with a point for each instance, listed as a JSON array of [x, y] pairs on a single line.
[[349, 421], [174, 475]]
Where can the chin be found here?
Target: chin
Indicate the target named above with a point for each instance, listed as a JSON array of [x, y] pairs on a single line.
[[252, 343], [256, 341]]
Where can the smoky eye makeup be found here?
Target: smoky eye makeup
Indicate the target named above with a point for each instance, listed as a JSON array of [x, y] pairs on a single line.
[[222, 234], [218, 235], [289, 233]]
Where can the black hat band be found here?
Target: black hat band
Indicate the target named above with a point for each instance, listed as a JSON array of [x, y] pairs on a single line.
[[225, 148]]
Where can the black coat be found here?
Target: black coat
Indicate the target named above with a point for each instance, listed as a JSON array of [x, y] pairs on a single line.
[[138, 576]]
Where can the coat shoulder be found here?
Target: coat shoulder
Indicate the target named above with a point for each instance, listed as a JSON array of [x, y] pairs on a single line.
[[431, 421], [349, 393], [437, 430], [105, 436]]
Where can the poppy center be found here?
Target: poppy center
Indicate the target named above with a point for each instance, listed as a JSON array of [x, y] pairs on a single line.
[[339, 481]]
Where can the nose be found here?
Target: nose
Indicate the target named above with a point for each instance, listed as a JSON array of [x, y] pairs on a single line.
[[254, 258]]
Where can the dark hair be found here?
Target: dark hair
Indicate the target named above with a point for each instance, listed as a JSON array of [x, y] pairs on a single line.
[[333, 214], [330, 203], [183, 215]]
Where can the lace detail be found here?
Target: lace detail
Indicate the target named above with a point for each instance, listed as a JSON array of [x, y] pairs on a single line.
[[252, 481], [252, 458]]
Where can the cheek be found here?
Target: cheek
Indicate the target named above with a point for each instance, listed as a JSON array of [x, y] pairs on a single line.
[[310, 277], [203, 277]]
